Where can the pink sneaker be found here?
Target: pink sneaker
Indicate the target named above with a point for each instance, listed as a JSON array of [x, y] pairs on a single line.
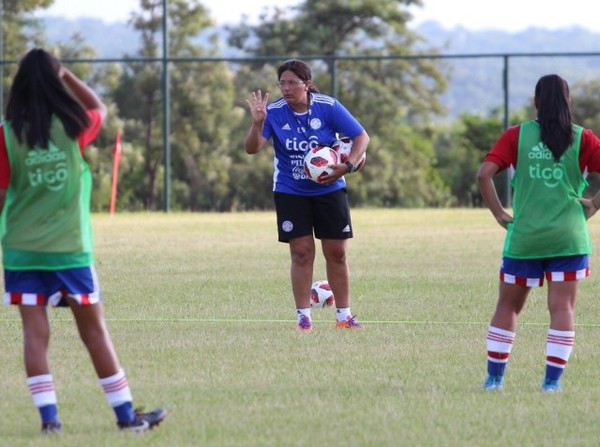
[[304, 325], [350, 323]]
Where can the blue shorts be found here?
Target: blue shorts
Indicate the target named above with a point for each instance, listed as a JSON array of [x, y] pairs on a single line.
[[43, 287], [531, 272]]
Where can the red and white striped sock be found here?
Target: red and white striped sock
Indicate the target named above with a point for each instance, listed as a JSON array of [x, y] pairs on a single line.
[[499, 343], [116, 389], [42, 390], [44, 396], [559, 345]]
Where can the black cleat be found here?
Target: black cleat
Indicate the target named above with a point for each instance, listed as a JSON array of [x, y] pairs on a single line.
[[144, 421], [51, 427]]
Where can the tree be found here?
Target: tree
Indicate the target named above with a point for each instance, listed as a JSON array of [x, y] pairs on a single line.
[[138, 97], [586, 112], [18, 29], [201, 103], [395, 98], [460, 150], [586, 107], [99, 154], [22, 31]]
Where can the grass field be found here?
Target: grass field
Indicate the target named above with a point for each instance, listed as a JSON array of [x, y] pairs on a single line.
[[200, 311]]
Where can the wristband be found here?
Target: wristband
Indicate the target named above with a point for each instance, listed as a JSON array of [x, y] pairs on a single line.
[[351, 167]]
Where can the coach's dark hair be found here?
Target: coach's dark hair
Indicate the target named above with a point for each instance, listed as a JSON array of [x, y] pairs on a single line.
[[554, 114], [37, 92], [300, 69]]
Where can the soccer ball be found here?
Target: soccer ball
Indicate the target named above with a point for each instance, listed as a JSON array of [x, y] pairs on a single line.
[[343, 148], [321, 294], [318, 160]]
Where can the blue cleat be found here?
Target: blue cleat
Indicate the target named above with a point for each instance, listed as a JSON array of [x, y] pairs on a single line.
[[493, 383], [551, 386]]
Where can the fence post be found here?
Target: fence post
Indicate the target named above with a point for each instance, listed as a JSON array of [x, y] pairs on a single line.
[[166, 107], [507, 192]]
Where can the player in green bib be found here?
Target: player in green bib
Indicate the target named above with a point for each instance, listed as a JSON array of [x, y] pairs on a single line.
[[49, 180], [547, 235], [46, 233]]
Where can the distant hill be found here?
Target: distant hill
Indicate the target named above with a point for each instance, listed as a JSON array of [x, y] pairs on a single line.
[[475, 84], [110, 40]]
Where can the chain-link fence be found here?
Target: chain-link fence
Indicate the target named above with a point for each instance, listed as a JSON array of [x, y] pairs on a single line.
[[500, 83]]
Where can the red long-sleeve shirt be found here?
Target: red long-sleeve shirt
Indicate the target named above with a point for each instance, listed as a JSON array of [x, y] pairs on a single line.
[[504, 151]]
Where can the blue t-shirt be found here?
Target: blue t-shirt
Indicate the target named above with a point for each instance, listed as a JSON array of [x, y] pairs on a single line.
[[294, 135]]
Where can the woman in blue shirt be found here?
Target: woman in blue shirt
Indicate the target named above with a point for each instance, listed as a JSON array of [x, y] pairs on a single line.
[[298, 121]]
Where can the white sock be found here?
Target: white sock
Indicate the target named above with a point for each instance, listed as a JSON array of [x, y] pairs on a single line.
[[42, 390], [343, 313], [303, 312], [559, 345], [116, 389]]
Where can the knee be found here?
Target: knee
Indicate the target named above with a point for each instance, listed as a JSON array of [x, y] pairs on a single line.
[[303, 256], [565, 307], [336, 255]]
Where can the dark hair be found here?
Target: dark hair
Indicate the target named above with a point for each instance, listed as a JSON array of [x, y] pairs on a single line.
[[300, 69], [554, 114], [37, 92]]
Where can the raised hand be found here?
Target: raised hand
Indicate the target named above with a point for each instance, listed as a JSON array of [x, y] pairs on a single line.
[[258, 106]]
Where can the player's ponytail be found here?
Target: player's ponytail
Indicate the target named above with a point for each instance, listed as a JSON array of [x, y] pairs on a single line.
[[553, 105]]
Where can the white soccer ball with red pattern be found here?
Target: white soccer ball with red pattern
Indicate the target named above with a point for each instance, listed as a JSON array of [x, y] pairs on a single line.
[[321, 294], [318, 160], [343, 148]]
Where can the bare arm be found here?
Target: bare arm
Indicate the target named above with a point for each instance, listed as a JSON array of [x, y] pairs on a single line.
[[359, 147], [254, 141], [83, 92], [485, 176], [591, 205]]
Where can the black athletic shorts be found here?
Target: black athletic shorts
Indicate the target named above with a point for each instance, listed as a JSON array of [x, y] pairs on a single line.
[[327, 215]]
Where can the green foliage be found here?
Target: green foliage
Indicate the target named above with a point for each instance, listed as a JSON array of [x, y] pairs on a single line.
[[394, 99], [586, 113], [585, 103], [361, 52], [460, 149], [201, 100], [16, 19]]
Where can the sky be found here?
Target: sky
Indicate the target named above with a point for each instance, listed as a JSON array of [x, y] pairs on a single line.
[[506, 15]]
